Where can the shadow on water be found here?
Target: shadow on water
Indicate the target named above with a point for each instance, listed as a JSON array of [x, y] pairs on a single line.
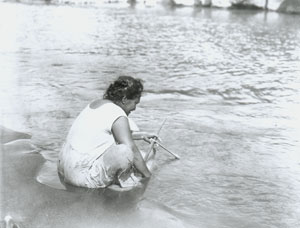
[[113, 200]]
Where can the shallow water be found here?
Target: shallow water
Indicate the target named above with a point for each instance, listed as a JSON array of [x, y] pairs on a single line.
[[228, 82]]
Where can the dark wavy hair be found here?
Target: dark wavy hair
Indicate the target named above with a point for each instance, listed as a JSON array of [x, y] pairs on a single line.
[[124, 86]]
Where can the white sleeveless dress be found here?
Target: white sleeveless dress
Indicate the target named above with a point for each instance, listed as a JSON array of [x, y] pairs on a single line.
[[89, 137]]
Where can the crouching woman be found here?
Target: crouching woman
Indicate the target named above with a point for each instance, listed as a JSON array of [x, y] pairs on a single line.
[[99, 147]]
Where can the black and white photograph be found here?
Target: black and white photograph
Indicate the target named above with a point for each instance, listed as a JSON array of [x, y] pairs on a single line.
[[150, 113]]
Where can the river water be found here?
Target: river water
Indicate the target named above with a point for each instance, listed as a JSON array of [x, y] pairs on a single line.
[[226, 80]]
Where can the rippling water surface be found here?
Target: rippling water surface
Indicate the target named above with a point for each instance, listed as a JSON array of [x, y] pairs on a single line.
[[228, 82]]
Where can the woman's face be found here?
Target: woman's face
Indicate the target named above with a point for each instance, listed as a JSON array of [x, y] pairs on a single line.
[[130, 104]]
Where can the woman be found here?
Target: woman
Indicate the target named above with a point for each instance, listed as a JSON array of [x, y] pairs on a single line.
[[99, 149]]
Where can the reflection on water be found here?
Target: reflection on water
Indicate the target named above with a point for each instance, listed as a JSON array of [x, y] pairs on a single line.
[[227, 81]]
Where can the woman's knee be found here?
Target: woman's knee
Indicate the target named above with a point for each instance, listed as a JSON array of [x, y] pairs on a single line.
[[119, 155], [125, 151]]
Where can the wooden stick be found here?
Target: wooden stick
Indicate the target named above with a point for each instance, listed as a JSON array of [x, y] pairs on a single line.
[[158, 143], [153, 141]]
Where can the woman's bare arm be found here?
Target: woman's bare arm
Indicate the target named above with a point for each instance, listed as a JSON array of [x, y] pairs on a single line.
[[122, 135], [142, 135]]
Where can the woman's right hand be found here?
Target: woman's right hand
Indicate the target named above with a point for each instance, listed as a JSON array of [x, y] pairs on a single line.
[[148, 137]]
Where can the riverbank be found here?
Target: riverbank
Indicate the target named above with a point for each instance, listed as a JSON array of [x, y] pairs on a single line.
[[282, 6], [286, 6]]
